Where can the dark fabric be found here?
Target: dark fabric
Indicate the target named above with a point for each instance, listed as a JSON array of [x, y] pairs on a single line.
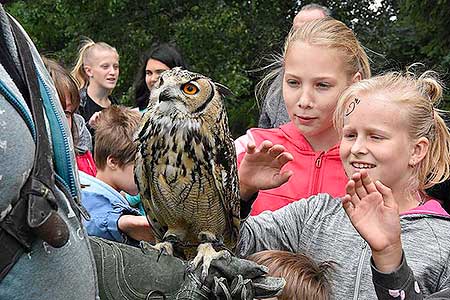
[[127, 272], [88, 107]]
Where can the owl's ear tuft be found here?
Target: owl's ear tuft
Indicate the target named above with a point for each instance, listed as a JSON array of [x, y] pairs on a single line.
[[223, 90]]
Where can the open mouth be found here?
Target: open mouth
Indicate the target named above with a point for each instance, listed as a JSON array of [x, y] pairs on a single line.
[[362, 165]]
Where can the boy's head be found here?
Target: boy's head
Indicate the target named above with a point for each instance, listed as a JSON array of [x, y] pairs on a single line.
[[305, 279], [115, 148]]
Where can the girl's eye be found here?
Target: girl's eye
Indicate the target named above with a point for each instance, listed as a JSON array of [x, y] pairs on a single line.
[[148, 73], [349, 135], [189, 89], [292, 82], [323, 85], [376, 137]]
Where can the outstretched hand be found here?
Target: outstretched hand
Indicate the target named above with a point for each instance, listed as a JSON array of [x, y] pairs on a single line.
[[261, 167], [374, 213]]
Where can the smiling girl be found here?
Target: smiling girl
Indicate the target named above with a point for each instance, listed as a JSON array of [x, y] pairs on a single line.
[[321, 59], [388, 239], [96, 72]]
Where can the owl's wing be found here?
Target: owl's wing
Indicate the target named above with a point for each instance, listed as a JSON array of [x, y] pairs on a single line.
[[226, 178], [142, 177]]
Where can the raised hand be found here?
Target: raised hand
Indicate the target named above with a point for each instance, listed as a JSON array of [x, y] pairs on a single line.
[[261, 167], [374, 213]]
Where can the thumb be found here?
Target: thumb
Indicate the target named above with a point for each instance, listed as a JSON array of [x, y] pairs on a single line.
[[283, 177], [386, 192]]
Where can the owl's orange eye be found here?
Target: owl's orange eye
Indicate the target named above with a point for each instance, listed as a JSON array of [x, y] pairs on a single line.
[[190, 89]]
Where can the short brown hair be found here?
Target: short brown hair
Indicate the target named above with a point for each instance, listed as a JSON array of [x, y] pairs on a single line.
[[305, 279], [114, 135]]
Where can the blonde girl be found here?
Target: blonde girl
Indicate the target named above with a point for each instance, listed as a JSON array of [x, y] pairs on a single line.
[[321, 58], [389, 240], [96, 73]]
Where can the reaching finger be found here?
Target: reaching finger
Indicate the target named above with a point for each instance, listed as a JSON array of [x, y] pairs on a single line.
[[351, 191], [284, 158], [359, 187], [265, 146], [367, 182], [276, 150], [347, 204], [251, 147], [386, 192]]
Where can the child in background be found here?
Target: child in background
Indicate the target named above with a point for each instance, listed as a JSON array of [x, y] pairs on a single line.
[[388, 238], [321, 58], [70, 101], [111, 215], [305, 279], [96, 73]]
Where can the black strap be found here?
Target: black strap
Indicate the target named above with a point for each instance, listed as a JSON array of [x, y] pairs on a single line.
[[34, 215]]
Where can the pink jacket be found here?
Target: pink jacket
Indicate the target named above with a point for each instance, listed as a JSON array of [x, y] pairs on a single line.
[[85, 163], [314, 172]]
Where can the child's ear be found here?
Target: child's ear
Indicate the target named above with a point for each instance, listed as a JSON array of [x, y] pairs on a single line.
[[357, 77], [111, 162], [88, 70], [419, 150]]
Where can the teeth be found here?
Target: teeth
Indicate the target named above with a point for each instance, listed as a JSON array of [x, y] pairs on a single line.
[[363, 166]]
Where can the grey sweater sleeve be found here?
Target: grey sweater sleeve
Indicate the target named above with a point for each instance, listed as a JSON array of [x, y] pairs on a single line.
[[280, 229], [401, 284]]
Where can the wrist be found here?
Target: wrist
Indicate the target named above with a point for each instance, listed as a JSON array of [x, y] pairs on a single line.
[[388, 259], [246, 192]]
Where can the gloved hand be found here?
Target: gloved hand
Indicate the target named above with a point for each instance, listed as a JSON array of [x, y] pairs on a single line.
[[227, 280], [126, 272]]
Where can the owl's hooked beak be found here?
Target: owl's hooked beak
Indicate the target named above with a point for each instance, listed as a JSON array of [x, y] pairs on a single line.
[[165, 96]]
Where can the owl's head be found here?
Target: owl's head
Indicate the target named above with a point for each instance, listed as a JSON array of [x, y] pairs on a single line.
[[180, 91]]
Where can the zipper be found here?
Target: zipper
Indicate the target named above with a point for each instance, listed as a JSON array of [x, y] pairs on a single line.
[[316, 173], [319, 160], [24, 113], [63, 162], [360, 269]]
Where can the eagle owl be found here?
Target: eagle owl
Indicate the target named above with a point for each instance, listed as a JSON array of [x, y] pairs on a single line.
[[186, 167]]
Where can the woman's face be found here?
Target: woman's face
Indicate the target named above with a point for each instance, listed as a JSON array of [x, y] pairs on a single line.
[[314, 77], [153, 70]]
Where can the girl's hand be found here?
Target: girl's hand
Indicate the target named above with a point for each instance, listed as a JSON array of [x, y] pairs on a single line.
[[261, 168], [373, 212]]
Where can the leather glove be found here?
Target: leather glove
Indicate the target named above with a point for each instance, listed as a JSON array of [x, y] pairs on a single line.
[[231, 280]]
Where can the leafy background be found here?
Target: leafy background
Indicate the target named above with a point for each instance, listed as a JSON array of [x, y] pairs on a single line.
[[229, 40]]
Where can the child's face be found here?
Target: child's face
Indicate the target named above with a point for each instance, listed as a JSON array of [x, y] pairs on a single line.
[[69, 109], [375, 138], [153, 69], [103, 68], [124, 178], [313, 79]]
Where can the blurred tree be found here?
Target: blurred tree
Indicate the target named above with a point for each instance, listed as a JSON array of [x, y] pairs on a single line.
[[227, 39]]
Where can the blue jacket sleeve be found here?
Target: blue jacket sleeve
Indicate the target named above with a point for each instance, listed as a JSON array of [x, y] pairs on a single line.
[[105, 216]]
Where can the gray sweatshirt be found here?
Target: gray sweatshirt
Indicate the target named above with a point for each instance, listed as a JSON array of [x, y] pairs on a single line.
[[320, 227]]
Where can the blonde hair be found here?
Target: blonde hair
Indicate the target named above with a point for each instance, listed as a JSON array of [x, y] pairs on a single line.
[[333, 34], [305, 279], [418, 97], [114, 131], [325, 32], [84, 54]]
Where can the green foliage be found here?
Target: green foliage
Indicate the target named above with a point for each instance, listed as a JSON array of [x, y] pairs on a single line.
[[227, 39]]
